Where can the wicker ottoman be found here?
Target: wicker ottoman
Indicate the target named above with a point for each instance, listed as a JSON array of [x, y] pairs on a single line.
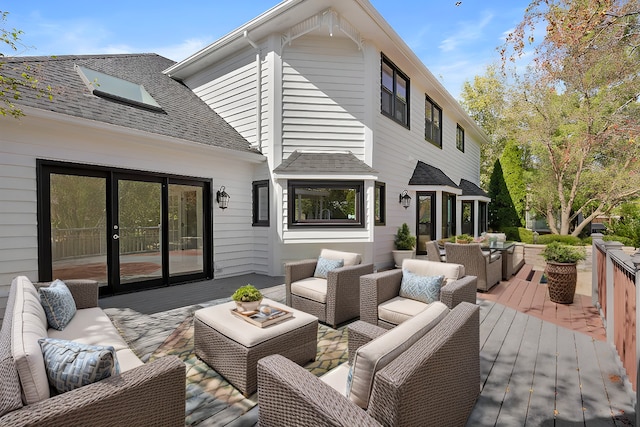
[[233, 346]]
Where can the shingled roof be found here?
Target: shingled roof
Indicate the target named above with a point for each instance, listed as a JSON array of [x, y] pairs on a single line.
[[345, 163], [183, 114], [470, 189], [425, 174]]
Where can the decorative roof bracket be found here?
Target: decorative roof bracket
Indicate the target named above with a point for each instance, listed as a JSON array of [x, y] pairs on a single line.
[[329, 18]]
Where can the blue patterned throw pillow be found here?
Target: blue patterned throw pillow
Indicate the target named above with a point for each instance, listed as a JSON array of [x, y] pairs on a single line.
[[325, 265], [71, 365], [420, 288], [58, 304]]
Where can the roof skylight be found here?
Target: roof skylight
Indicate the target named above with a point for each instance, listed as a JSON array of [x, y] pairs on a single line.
[[107, 86]]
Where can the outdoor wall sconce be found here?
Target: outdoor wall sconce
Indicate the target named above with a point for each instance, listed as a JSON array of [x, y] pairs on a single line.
[[222, 198], [405, 199]]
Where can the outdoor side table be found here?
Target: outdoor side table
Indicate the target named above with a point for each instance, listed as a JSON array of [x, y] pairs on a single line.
[[233, 346]]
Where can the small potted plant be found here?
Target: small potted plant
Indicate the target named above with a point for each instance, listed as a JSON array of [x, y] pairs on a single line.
[[405, 245], [562, 270], [247, 298], [464, 238]]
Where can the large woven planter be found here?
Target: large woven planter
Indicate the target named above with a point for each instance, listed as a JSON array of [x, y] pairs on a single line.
[[561, 280]]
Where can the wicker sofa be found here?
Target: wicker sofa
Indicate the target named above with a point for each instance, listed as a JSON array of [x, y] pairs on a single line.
[[151, 394], [433, 382], [382, 305], [334, 299]]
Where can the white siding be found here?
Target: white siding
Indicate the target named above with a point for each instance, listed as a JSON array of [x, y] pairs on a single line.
[[323, 96], [25, 140], [230, 88]]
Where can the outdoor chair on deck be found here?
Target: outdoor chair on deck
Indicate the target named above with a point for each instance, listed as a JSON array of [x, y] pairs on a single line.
[[486, 266], [433, 251], [327, 287], [385, 302]]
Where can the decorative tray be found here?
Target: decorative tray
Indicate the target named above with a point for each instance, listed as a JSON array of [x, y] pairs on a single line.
[[261, 320]]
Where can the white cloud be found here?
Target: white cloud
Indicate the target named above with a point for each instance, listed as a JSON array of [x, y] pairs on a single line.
[[469, 32], [180, 51]]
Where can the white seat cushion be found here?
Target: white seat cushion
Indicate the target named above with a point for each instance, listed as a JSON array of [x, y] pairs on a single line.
[[91, 326], [29, 324], [399, 309], [423, 267], [220, 318], [349, 258], [313, 288], [337, 378], [127, 360], [377, 354]]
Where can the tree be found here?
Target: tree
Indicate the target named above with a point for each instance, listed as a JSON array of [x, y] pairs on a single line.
[[485, 101], [11, 86], [502, 212], [512, 161], [580, 107]]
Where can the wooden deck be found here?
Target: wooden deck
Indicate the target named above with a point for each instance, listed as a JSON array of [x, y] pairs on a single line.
[[546, 364], [542, 364]]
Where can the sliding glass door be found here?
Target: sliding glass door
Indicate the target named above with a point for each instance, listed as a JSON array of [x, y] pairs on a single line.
[[125, 229]]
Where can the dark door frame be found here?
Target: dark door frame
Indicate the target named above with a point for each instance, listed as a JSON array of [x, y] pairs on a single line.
[[46, 167]]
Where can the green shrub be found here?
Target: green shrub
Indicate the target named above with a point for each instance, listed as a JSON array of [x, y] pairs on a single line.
[[626, 241], [518, 234], [559, 252], [404, 241], [545, 239]]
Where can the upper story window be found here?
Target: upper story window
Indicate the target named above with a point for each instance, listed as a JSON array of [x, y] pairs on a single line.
[[432, 122], [460, 138], [394, 93], [326, 203]]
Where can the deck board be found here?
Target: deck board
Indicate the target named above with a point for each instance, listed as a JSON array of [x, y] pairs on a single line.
[[536, 357]]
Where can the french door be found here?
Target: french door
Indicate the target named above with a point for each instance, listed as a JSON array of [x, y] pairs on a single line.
[[128, 230], [426, 220]]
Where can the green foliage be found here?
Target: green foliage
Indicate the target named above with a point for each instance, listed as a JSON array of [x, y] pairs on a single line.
[[558, 252], [627, 227], [11, 86], [518, 234], [513, 173], [624, 240], [544, 239], [404, 241], [502, 211], [247, 293], [463, 238]]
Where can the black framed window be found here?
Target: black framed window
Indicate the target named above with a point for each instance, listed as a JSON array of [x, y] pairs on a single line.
[[468, 215], [432, 122], [460, 138], [326, 203], [394, 93], [482, 217], [380, 203], [261, 203]]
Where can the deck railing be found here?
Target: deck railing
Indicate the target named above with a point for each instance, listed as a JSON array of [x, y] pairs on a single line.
[[84, 242], [616, 291]]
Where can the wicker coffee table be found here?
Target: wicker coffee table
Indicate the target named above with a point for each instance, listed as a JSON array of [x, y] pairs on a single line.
[[233, 346]]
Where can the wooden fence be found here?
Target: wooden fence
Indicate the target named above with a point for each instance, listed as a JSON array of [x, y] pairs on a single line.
[[616, 291]]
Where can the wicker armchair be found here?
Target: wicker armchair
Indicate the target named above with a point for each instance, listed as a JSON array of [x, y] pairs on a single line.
[[434, 382], [433, 251], [382, 305], [513, 262], [486, 266], [333, 300]]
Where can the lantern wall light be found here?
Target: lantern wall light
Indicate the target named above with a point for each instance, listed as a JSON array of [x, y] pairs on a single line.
[[405, 199], [222, 198]]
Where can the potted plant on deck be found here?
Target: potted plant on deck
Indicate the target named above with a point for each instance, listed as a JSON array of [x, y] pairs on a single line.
[[405, 245], [247, 298], [562, 270]]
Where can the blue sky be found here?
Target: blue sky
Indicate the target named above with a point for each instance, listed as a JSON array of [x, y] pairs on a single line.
[[454, 42]]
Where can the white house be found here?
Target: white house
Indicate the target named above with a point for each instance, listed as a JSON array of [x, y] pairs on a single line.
[[315, 118]]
